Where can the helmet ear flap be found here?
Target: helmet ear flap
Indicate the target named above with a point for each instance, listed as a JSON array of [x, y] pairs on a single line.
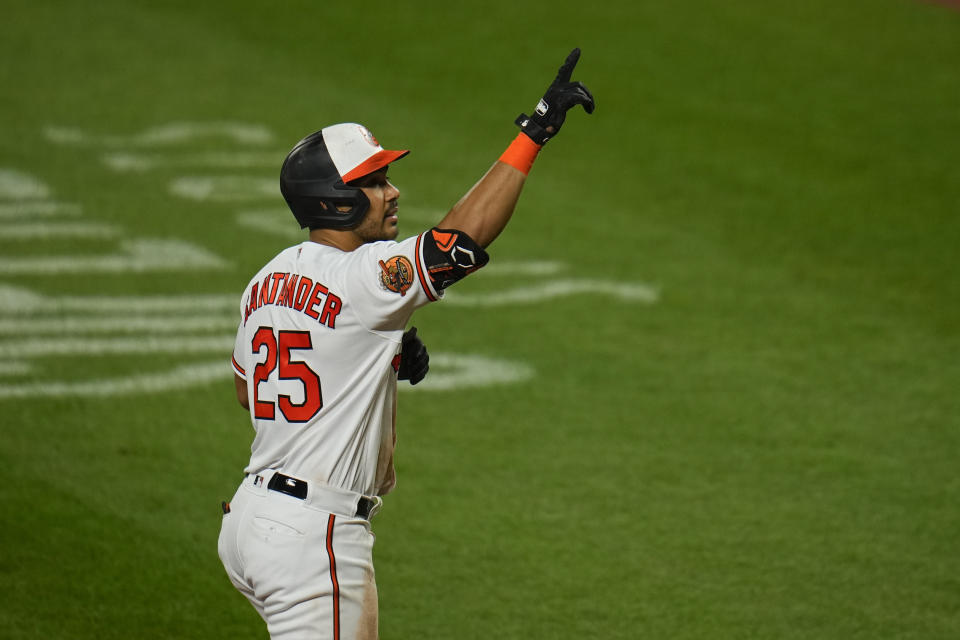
[[332, 213]]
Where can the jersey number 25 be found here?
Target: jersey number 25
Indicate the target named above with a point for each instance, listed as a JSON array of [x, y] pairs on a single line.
[[278, 354]]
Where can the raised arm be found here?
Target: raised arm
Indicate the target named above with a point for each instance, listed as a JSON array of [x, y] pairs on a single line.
[[485, 210]]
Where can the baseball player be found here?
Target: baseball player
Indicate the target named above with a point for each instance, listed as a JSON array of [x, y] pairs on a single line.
[[320, 347]]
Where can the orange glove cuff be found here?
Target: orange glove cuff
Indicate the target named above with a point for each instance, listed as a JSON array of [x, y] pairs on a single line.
[[521, 153]]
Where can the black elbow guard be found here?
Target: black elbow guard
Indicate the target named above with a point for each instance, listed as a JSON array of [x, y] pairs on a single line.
[[450, 256]]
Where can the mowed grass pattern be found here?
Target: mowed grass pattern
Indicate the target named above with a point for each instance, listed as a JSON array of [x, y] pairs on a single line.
[[765, 446]]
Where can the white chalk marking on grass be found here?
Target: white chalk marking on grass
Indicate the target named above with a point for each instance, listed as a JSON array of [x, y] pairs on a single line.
[[14, 368], [140, 162], [41, 230], [630, 292], [448, 371], [522, 268], [39, 209], [182, 377], [117, 325], [18, 300], [163, 135], [278, 222], [85, 346], [17, 185], [454, 371], [136, 256], [225, 188]]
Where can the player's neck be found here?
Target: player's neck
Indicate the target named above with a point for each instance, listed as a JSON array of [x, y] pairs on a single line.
[[345, 240]]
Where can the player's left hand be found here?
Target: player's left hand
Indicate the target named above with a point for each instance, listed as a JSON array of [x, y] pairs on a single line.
[[414, 359], [561, 96]]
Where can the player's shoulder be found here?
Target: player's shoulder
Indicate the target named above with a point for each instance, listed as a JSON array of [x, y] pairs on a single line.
[[374, 253], [382, 247], [385, 267]]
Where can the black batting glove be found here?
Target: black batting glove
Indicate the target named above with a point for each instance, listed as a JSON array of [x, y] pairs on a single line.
[[561, 96], [414, 359]]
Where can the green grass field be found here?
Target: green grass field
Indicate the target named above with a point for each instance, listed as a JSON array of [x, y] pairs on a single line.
[[729, 301]]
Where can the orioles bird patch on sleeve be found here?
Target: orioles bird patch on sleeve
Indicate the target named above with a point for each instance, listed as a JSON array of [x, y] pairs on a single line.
[[396, 274]]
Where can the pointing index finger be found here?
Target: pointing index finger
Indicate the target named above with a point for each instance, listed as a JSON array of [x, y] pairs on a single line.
[[566, 69]]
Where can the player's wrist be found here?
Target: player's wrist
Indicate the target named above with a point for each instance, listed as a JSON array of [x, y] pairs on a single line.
[[521, 153], [534, 130]]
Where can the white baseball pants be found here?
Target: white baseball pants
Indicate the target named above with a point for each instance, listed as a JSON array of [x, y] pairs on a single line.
[[305, 566]]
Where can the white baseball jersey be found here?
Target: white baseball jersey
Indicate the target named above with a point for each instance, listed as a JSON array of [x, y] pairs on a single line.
[[319, 345]]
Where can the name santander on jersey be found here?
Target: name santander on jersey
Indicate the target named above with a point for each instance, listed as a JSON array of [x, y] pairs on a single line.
[[295, 291]]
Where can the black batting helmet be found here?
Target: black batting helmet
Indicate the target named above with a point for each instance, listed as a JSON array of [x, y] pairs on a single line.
[[315, 176]]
